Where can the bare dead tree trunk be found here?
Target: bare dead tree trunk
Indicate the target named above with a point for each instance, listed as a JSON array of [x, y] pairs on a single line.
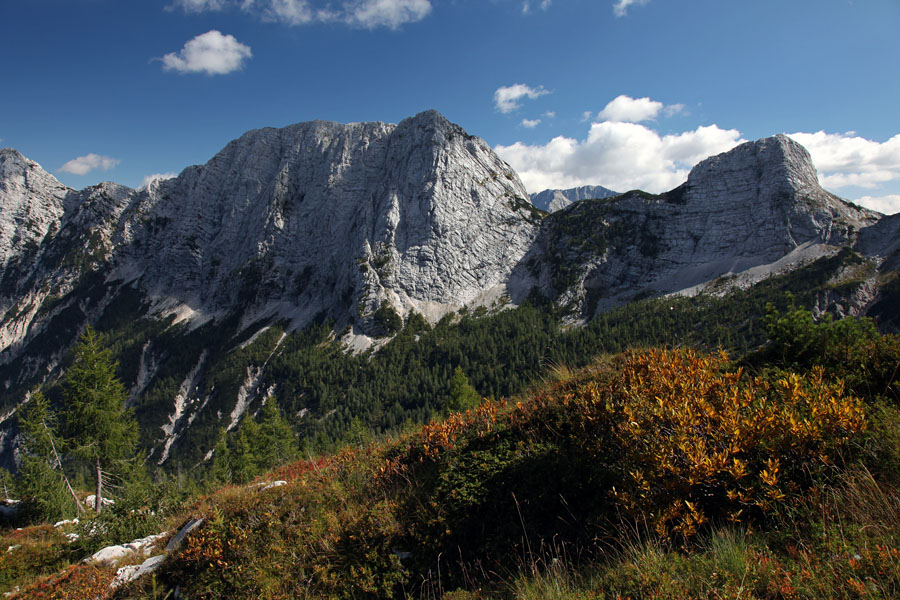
[[98, 500], [59, 463]]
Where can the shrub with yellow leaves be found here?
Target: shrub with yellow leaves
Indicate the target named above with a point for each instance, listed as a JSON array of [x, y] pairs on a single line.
[[692, 441]]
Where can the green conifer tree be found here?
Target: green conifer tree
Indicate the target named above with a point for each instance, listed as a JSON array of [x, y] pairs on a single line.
[[244, 462], [277, 442], [462, 395], [222, 471], [100, 429], [40, 480]]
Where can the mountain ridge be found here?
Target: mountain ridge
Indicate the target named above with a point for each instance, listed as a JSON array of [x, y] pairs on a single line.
[[552, 200], [366, 228]]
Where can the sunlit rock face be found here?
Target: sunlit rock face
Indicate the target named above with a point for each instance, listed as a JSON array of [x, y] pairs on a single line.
[[317, 219], [754, 210], [554, 200]]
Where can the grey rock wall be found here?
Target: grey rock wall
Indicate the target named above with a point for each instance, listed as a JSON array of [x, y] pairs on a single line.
[[554, 200]]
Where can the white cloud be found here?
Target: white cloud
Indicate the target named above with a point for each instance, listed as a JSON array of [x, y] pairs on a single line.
[[148, 179], [544, 5], [387, 13], [620, 8], [369, 14], [90, 162], [550, 114], [292, 12], [507, 98], [888, 205], [212, 53], [586, 116], [845, 160], [673, 109], [618, 155], [197, 6], [626, 109], [530, 123]]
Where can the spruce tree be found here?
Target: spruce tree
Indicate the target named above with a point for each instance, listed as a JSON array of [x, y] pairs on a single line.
[[462, 395], [100, 429], [40, 480], [277, 441], [222, 471]]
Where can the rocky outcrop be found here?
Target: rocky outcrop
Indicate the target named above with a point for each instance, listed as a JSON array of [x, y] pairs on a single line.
[[554, 200], [327, 218], [738, 212]]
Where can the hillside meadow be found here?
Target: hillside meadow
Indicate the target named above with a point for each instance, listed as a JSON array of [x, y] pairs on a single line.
[[649, 473]]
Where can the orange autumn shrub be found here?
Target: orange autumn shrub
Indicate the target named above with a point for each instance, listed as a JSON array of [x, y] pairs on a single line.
[[693, 442], [77, 582]]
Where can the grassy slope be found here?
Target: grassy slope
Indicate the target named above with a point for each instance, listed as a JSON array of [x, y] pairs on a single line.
[[669, 474], [499, 504]]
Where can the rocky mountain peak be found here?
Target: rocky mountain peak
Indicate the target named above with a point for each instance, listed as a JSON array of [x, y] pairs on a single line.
[[32, 201], [554, 200], [341, 218], [774, 165], [9, 157]]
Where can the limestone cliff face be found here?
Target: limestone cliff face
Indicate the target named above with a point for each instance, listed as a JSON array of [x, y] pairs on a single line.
[[341, 219], [52, 238], [354, 222], [554, 200], [739, 213]]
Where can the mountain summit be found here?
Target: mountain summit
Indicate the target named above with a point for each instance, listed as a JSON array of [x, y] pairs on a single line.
[[315, 219], [357, 228], [748, 212], [337, 219]]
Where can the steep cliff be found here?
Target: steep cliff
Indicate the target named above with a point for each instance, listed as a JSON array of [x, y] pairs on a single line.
[[748, 212], [361, 223]]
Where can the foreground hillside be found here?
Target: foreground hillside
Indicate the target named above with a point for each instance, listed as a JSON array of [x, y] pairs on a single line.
[[650, 473]]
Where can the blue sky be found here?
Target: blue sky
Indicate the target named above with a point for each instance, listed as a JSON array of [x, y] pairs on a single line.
[[621, 93]]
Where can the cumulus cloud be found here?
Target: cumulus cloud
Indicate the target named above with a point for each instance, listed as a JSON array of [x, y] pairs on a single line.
[[90, 162], [888, 205], [212, 53], [846, 159], [626, 109], [530, 123], [620, 8], [619, 155], [550, 114], [369, 14], [148, 179], [507, 99]]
